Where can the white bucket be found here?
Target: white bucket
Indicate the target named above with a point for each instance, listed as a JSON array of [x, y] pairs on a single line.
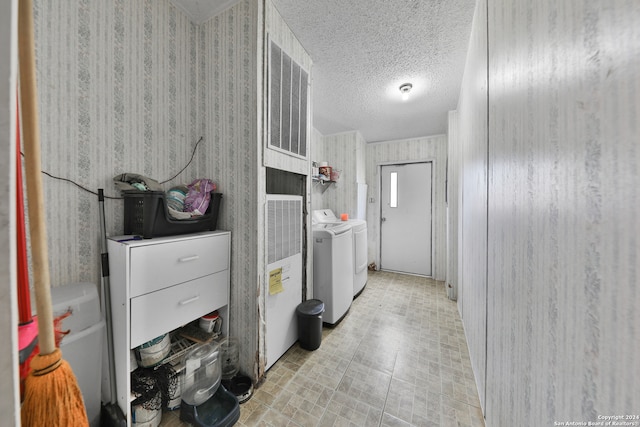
[[176, 397], [153, 352], [153, 417]]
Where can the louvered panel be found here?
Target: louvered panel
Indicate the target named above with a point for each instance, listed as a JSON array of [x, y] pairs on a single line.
[[284, 227], [295, 108], [285, 139], [271, 231], [275, 100], [304, 81], [288, 97]]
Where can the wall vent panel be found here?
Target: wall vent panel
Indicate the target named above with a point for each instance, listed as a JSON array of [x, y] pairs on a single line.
[[284, 228], [288, 97]]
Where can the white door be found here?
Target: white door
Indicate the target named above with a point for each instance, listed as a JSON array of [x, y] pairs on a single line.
[[405, 215]]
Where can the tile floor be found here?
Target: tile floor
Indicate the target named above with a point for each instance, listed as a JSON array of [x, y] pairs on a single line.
[[399, 358]]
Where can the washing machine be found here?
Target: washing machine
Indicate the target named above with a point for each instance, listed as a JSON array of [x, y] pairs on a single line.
[[332, 269], [359, 230]]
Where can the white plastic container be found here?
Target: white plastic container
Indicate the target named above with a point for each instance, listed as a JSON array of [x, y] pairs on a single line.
[[154, 422], [202, 374], [146, 408], [230, 357], [82, 348], [176, 397], [83, 302], [83, 351], [132, 361], [146, 417]]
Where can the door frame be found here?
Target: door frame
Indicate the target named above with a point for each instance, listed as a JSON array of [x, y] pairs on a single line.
[[378, 223]]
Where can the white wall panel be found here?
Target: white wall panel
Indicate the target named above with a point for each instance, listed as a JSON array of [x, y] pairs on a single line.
[[344, 152], [454, 198], [317, 155], [562, 228], [432, 148], [472, 116], [563, 204], [9, 390]]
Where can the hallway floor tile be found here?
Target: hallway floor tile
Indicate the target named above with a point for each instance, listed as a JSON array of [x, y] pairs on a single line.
[[398, 358]]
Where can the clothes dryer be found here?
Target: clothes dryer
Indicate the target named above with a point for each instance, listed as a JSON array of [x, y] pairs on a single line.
[[359, 243], [332, 269]]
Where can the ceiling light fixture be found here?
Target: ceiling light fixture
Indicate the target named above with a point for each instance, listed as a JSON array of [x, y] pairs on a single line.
[[405, 88]]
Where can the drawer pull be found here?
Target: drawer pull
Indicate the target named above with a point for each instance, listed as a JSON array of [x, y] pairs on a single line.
[[189, 300], [189, 258]]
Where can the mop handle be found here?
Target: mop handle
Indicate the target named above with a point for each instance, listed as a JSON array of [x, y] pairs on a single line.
[[35, 196]]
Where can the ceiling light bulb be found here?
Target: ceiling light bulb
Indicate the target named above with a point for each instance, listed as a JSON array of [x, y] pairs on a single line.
[[405, 89]]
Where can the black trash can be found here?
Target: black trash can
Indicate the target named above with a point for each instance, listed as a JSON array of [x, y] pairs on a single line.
[[310, 323]]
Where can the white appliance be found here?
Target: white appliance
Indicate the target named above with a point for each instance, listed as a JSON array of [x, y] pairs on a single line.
[[333, 269], [283, 274], [359, 228], [82, 346]]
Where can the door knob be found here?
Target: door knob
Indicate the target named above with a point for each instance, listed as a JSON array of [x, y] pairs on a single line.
[[383, 219]]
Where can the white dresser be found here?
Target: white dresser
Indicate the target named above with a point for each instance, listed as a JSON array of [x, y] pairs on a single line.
[[161, 284]]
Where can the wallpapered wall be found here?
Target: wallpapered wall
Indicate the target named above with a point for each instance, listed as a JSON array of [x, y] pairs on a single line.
[[228, 99], [317, 155], [454, 204], [9, 390], [472, 147], [345, 152], [432, 148], [117, 87], [130, 87], [562, 268]]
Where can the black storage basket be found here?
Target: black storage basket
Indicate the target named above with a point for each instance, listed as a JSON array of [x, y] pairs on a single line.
[[146, 214]]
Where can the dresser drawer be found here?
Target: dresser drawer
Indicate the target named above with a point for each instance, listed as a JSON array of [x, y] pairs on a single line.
[[157, 266], [162, 311]]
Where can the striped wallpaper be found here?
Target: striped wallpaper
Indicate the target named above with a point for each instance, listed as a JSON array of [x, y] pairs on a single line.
[[345, 153], [454, 203], [472, 149], [228, 99], [117, 82], [9, 392], [130, 87], [316, 153], [560, 251]]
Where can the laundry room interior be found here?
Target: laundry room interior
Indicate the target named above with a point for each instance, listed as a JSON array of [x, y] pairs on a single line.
[[431, 231]]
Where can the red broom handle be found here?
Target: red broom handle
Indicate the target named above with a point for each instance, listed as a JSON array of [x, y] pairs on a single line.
[[24, 297]]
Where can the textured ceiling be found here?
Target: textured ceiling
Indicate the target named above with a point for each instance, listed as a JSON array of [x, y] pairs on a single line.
[[363, 50]]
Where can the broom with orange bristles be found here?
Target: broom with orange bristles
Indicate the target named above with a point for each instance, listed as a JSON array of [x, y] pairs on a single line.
[[52, 397]]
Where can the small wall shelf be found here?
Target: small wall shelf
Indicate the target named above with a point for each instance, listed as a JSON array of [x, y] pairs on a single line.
[[323, 184]]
